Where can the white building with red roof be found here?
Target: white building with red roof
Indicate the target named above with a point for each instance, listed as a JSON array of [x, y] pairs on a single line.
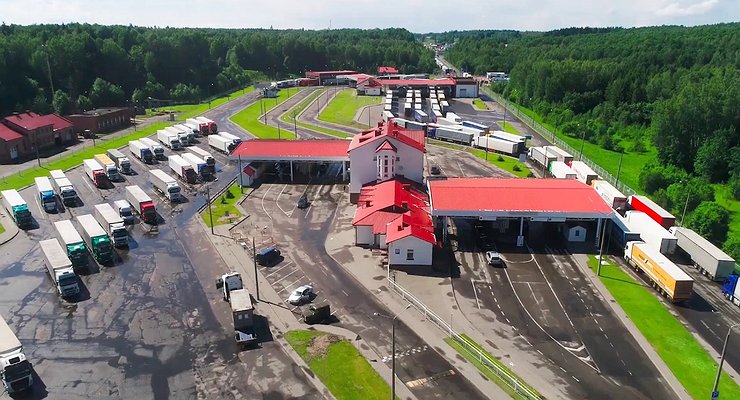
[[384, 153]]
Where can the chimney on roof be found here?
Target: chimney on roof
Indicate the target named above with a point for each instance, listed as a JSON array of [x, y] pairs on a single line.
[[380, 123], [367, 203], [405, 204]]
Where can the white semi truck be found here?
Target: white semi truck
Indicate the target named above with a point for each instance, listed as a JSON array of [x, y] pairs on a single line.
[[64, 188], [165, 184], [141, 151], [60, 268], [45, 194], [155, 148], [182, 135], [169, 139], [123, 163], [15, 369], [221, 143], [17, 208], [123, 208], [182, 168], [112, 223]]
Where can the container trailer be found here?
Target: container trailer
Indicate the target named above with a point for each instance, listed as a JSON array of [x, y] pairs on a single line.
[[16, 370], [73, 244], [199, 165], [454, 117], [141, 151], [621, 232], [142, 204], [212, 126], [112, 223], [520, 141], [542, 155], [121, 161], [616, 199], [165, 184], [17, 208], [731, 289], [584, 173], [96, 238], [45, 194], [202, 126], [651, 232], [182, 168], [206, 156], [421, 116], [561, 170], [453, 135], [666, 277], [169, 139], [221, 143], [561, 154], [234, 139], [60, 268], [63, 187], [654, 211], [708, 258], [123, 208], [95, 172], [109, 166], [154, 147], [470, 124], [495, 144]]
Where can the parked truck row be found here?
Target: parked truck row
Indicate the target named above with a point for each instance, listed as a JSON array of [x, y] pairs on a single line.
[[667, 278]]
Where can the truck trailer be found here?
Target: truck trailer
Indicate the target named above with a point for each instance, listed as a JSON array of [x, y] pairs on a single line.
[[73, 244], [731, 289], [16, 370], [112, 223], [141, 151], [202, 126], [708, 258], [17, 208], [495, 144], [242, 309], [182, 169], [142, 204], [561, 170], [199, 165], [154, 147], [60, 268], [654, 211], [542, 155], [234, 139], [121, 161], [651, 232], [616, 199], [95, 172], [621, 231], [668, 278], [64, 188], [45, 194], [165, 184], [206, 156], [561, 154], [96, 238], [454, 135], [109, 166], [124, 210], [169, 139], [584, 173], [221, 143], [212, 126]]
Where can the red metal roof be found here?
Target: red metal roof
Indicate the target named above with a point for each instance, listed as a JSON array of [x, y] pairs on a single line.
[[387, 70], [28, 120], [8, 134], [417, 82], [515, 195], [415, 139], [380, 204], [379, 220], [58, 121], [405, 226], [319, 73], [311, 148]]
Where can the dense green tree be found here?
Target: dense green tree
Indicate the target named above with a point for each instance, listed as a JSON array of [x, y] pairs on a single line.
[[62, 103], [732, 247], [103, 93], [84, 103], [687, 195], [709, 220]]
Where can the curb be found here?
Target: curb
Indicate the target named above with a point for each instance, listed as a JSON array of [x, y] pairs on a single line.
[[11, 230]]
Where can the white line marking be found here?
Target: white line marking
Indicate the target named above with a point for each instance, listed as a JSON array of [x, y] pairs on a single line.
[[345, 293], [263, 203], [477, 302], [41, 212], [293, 283], [277, 200], [278, 270], [461, 169], [289, 274]]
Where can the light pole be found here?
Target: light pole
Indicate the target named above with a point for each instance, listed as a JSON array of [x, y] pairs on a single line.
[[686, 205], [583, 140], [715, 392], [210, 212], [48, 68], [393, 347]]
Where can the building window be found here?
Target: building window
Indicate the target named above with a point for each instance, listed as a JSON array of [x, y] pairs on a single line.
[[577, 233], [410, 254], [385, 170], [385, 161], [398, 251]]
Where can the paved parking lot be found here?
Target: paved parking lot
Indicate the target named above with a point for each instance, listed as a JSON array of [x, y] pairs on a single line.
[[152, 325]]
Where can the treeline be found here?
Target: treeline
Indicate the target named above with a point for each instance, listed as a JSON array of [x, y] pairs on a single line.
[[95, 65], [672, 89]]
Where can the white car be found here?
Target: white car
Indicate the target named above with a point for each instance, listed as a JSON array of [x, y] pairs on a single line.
[[301, 295]]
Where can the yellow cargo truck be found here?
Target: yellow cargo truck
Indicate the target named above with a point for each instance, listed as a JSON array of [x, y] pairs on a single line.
[[666, 277]]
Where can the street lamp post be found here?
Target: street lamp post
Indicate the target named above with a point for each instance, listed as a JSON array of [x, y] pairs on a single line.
[[686, 205], [393, 347], [715, 392]]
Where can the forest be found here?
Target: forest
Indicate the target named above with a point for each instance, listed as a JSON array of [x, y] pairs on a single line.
[[66, 68], [670, 91]]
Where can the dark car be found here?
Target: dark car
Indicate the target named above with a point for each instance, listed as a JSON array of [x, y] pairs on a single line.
[[268, 256], [303, 201], [435, 170], [316, 315]]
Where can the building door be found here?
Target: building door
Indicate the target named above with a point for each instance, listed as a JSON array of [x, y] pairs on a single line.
[[14, 152]]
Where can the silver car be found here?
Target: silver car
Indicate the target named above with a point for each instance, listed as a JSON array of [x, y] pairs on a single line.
[[301, 295], [494, 258]]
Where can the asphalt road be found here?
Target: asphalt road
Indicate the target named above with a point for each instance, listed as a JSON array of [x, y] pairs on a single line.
[[301, 235], [555, 311], [152, 326]]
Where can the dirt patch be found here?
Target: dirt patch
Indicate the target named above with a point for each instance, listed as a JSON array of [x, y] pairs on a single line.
[[318, 346]]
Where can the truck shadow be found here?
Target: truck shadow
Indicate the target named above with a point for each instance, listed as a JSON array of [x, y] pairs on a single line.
[[37, 391], [84, 293]]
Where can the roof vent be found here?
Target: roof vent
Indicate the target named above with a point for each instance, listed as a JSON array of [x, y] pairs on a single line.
[[405, 204]]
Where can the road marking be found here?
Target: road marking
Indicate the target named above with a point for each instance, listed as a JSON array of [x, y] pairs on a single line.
[[292, 283], [41, 212], [476, 294], [278, 270], [277, 200], [461, 169], [422, 381], [401, 354], [289, 274], [263, 202], [345, 293]]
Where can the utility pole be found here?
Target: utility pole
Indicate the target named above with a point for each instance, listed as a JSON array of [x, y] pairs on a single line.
[[210, 211], [686, 205], [48, 69], [295, 127], [583, 140], [241, 176], [601, 248], [256, 280]]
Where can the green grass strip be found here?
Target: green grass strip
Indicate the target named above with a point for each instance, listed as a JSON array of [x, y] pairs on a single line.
[[248, 118], [223, 209], [342, 109], [301, 107], [479, 104], [344, 371], [472, 357], [507, 163], [2, 228], [685, 357], [507, 127]]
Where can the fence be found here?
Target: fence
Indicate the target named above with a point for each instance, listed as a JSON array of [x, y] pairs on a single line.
[[510, 380], [550, 136]]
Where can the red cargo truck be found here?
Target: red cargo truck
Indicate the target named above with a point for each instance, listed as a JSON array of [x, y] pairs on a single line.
[[654, 211]]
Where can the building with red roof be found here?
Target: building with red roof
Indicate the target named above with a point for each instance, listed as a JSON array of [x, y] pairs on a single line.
[[328, 77], [387, 70], [394, 215], [384, 153], [29, 130], [102, 120], [369, 87], [12, 145]]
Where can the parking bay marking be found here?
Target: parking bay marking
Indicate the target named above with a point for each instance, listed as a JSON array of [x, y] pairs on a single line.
[[278, 270]]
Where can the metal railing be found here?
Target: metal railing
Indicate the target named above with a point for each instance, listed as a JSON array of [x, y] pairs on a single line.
[[550, 136], [485, 360]]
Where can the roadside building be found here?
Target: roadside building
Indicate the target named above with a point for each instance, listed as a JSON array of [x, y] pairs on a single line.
[[101, 120], [329, 77], [466, 87], [38, 130], [384, 153], [369, 87], [12, 145], [386, 70]]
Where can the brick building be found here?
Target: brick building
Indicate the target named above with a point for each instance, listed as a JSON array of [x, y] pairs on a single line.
[[101, 120], [22, 131], [12, 145]]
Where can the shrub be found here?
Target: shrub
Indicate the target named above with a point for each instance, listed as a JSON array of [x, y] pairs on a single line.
[[517, 168], [499, 158]]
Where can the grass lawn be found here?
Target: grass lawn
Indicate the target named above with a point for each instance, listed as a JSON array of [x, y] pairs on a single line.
[[25, 177], [301, 107], [343, 107], [724, 198], [473, 358], [479, 104], [223, 208], [505, 162], [2, 229], [248, 118], [339, 366], [186, 111], [690, 363], [507, 127]]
